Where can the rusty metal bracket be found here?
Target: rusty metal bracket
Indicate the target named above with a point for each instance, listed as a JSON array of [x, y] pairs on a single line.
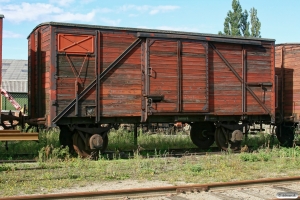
[[94, 82], [260, 84], [241, 80]]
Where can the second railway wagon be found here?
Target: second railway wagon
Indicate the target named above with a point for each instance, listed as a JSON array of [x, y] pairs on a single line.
[[287, 66], [84, 76]]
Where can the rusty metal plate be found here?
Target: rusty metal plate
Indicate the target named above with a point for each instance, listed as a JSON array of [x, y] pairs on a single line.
[[75, 44], [13, 135]]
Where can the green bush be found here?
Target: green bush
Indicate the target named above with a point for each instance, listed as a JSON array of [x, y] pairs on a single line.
[[196, 168]]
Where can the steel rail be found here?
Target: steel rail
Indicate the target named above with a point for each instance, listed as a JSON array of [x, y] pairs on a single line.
[[18, 161], [14, 135], [155, 190]]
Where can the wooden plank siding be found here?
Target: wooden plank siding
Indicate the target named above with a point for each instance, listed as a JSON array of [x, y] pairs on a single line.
[[194, 76], [261, 69], [225, 87], [287, 65], [121, 89]]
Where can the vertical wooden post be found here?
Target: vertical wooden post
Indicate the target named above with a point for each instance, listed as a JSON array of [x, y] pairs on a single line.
[[179, 74]]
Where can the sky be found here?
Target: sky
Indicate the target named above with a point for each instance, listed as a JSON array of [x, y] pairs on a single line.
[[279, 19]]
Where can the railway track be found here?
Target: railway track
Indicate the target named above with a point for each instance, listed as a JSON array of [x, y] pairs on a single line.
[[275, 188], [18, 161]]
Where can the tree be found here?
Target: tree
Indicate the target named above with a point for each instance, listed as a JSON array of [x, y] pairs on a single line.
[[255, 23], [245, 24], [236, 22]]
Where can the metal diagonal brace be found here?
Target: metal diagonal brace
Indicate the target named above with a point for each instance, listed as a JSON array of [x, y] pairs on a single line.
[[93, 83], [240, 79]]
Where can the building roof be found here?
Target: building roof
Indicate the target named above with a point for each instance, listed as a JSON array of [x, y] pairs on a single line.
[[18, 86], [15, 75], [14, 69]]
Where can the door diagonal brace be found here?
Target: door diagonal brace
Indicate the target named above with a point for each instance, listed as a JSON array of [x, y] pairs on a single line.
[[240, 79], [93, 83]]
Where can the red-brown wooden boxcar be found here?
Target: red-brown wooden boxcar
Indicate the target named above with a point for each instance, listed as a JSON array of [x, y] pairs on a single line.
[[287, 65], [1, 33], [82, 76]]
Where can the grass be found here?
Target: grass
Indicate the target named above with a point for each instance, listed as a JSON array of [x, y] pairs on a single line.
[[260, 140], [124, 140], [59, 170], [58, 173]]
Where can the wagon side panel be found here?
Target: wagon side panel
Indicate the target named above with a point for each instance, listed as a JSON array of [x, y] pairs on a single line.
[[194, 76], [225, 88], [260, 79], [76, 70], [163, 74], [121, 88], [90, 82], [241, 79]]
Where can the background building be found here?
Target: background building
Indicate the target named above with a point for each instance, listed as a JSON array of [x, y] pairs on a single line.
[[15, 81]]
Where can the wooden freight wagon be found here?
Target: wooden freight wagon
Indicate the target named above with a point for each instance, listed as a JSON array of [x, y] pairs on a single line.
[[287, 65], [84, 76]]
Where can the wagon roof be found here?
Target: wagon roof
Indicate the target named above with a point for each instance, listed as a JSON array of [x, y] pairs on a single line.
[[151, 31], [286, 44]]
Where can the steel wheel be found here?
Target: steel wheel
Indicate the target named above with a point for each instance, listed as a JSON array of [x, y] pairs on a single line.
[[201, 134], [80, 147], [223, 142]]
